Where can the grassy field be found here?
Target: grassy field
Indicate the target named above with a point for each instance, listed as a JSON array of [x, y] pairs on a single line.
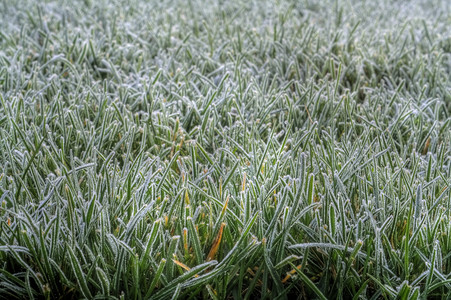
[[225, 149]]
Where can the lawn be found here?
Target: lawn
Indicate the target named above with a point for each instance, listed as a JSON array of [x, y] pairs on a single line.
[[225, 149]]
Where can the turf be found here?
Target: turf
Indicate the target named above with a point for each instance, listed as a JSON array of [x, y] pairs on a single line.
[[225, 149]]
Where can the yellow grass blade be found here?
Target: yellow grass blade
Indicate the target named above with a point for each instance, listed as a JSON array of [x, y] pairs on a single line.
[[216, 243]]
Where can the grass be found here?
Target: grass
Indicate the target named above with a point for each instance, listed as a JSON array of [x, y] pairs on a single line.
[[225, 149]]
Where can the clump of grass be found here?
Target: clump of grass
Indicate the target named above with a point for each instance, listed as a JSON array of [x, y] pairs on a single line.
[[231, 149]]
